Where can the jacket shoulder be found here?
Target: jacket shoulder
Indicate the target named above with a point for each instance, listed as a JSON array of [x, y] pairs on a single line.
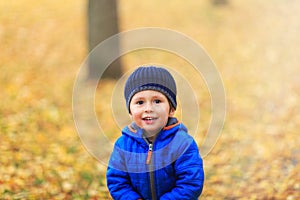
[[123, 141], [182, 133]]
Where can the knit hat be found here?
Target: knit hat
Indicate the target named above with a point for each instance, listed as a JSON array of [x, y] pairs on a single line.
[[151, 78]]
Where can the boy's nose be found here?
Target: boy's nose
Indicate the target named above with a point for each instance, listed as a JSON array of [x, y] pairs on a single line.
[[148, 107]]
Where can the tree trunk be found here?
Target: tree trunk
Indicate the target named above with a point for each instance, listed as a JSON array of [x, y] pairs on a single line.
[[102, 23], [219, 2]]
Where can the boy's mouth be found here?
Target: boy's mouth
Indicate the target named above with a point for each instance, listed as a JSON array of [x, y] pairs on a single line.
[[148, 118]]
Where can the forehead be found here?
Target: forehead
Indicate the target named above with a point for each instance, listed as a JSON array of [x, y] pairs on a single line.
[[148, 93]]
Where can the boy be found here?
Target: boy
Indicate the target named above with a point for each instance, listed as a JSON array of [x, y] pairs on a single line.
[[154, 158]]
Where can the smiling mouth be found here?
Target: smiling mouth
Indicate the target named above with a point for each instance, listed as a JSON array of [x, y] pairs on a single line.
[[149, 118]]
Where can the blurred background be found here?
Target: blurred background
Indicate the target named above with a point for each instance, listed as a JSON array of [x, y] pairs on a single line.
[[254, 44]]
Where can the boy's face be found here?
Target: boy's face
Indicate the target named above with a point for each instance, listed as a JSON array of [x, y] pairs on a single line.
[[150, 110]]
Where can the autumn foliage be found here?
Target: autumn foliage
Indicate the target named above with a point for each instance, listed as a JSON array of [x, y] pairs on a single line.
[[255, 45]]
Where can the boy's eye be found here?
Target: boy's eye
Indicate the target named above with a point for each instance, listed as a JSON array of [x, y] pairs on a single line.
[[157, 101], [139, 102]]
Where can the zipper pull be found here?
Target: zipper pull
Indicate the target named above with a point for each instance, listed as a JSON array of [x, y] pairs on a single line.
[[148, 160]]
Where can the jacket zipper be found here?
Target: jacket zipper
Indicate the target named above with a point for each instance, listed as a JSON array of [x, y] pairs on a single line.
[[149, 155], [149, 161]]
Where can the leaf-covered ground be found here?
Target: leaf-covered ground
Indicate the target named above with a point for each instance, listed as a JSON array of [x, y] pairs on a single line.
[[254, 44]]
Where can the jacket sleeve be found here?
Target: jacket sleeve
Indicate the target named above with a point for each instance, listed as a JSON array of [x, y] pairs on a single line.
[[189, 176], [118, 181]]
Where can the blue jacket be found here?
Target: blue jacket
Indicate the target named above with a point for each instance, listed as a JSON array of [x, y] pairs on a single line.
[[170, 168]]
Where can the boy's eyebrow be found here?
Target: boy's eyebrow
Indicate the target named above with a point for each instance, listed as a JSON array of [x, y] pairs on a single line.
[[138, 97], [142, 97], [157, 97]]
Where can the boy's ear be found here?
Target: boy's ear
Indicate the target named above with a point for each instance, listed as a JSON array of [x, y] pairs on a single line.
[[172, 112], [130, 115]]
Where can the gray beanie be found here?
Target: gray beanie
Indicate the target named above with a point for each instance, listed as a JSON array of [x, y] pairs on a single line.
[[151, 78]]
